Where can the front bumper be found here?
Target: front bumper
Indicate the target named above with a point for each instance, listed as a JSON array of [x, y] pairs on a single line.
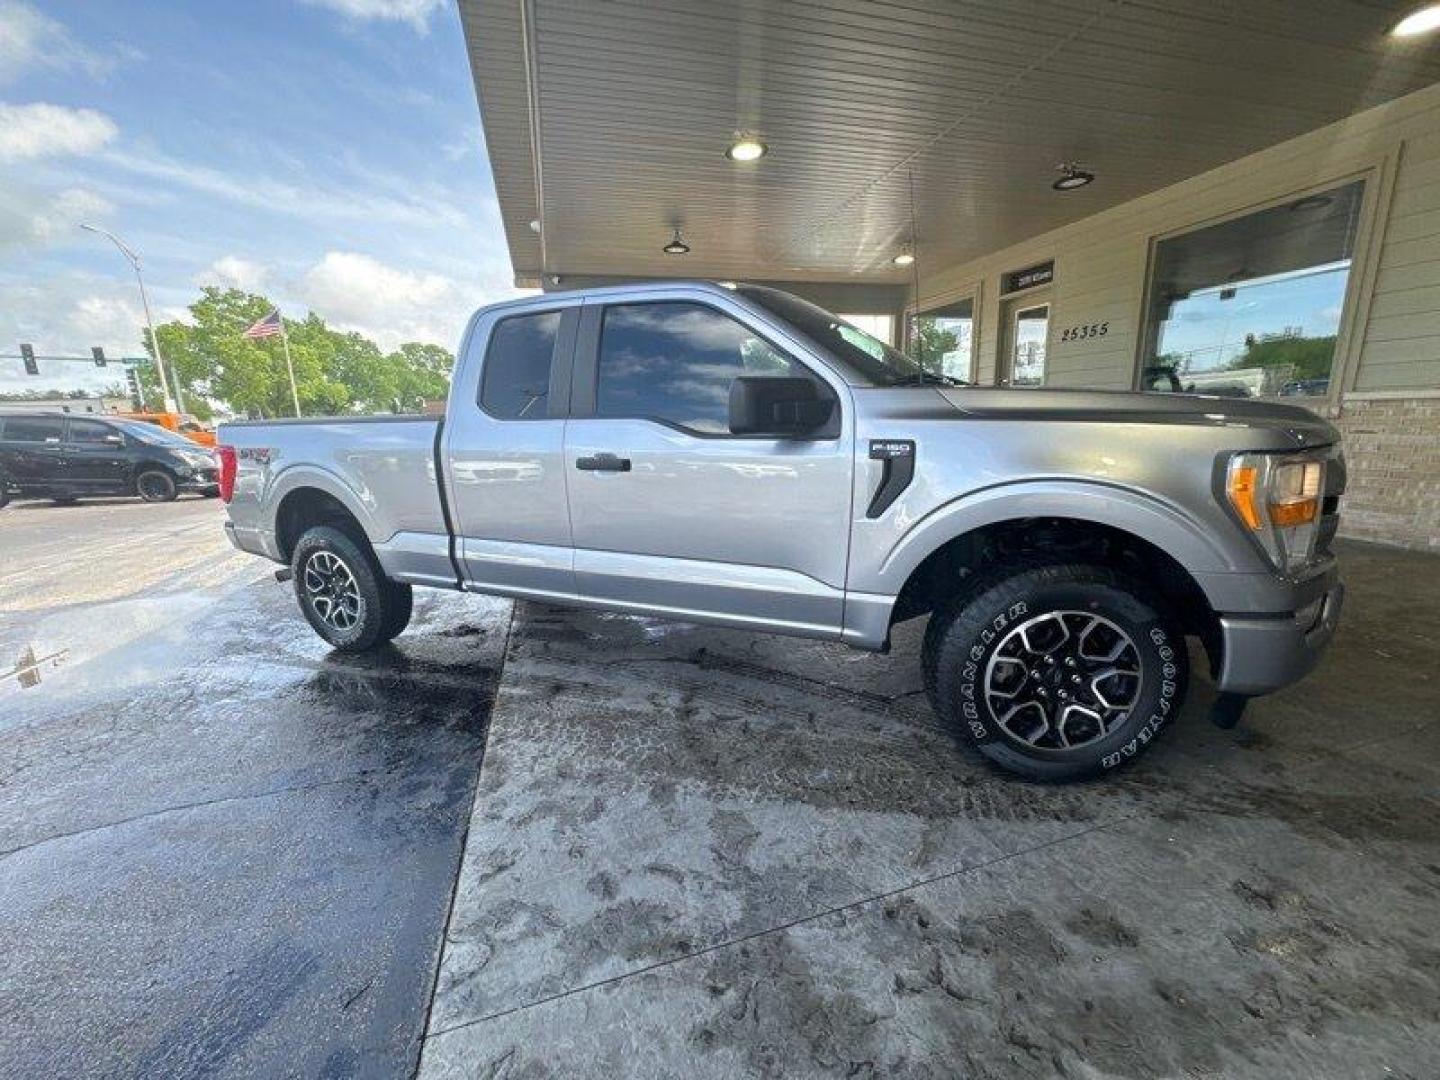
[[1264, 653]]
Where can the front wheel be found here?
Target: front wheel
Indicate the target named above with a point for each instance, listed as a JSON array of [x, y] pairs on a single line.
[[1055, 672], [156, 485], [345, 596]]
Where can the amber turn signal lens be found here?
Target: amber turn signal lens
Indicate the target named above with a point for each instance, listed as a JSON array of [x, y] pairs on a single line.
[[1242, 494], [1284, 515]]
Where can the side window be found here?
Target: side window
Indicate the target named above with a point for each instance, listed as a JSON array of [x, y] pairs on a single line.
[[674, 362], [515, 383], [34, 429], [90, 431]]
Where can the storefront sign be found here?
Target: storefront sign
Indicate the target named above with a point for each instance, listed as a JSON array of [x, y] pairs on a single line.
[[1039, 274]]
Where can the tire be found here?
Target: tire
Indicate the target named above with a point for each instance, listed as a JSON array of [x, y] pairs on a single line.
[[4, 493], [156, 485], [1017, 665], [344, 595], [402, 606]]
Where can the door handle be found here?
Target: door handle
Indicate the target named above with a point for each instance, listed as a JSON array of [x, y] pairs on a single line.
[[603, 463]]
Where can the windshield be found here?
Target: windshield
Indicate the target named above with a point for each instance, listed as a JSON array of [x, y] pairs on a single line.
[[874, 361], [154, 434]]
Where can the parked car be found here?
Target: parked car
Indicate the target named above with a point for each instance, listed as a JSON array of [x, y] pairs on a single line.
[[180, 423], [739, 456], [63, 457]]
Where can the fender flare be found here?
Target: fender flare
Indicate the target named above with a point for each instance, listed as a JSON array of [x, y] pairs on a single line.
[[1129, 510], [295, 477]]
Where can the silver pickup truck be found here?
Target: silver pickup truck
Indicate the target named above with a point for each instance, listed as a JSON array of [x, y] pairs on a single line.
[[736, 455]]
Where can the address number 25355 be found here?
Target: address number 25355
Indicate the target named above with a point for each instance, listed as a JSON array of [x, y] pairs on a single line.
[[1080, 333]]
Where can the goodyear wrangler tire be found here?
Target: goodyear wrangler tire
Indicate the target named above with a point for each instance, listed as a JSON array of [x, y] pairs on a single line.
[[1055, 672]]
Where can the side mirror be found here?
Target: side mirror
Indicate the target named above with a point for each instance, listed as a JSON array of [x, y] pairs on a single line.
[[779, 407]]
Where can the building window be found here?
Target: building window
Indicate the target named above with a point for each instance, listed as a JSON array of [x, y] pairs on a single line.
[[877, 326], [1251, 307], [942, 339]]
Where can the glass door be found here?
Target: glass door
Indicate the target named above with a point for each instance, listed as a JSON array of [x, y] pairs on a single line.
[[1027, 328]]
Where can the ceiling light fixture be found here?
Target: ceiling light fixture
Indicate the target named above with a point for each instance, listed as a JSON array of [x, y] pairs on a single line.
[[905, 258], [746, 148], [535, 226], [1072, 177], [676, 246], [1418, 22]]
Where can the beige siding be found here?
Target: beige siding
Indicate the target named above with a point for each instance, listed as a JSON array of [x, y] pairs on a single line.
[[1100, 261]]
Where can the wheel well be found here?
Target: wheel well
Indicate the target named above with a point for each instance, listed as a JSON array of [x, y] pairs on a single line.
[[306, 507], [1069, 539]]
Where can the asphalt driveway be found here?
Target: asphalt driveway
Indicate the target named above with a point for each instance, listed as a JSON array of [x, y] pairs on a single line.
[[223, 850]]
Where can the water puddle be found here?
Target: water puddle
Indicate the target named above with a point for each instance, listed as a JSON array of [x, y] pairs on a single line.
[[30, 668]]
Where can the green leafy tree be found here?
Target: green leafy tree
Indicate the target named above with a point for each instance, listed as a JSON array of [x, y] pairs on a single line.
[[335, 371], [930, 344], [1305, 357]]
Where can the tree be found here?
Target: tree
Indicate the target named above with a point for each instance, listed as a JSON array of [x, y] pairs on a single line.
[[931, 343], [335, 371]]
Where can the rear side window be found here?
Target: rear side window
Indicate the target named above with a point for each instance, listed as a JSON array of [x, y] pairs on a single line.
[[515, 384], [674, 362], [90, 431], [34, 429]]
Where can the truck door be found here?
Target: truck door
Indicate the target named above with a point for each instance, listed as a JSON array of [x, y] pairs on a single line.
[[95, 456], [503, 452], [669, 510]]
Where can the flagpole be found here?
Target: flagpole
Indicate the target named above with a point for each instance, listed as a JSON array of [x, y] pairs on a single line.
[[290, 367]]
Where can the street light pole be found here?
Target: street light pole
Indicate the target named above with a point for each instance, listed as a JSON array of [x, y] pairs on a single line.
[[170, 403]]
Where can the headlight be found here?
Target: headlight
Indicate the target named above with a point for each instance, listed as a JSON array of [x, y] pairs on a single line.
[[1277, 497]]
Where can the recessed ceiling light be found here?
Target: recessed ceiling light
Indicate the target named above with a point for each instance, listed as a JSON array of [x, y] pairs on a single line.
[[1072, 177], [535, 225], [905, 258], [746, 149], [676, 246], [1418, 22]]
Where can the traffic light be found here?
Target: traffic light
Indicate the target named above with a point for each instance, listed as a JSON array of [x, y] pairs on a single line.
[[98, 352], [27, 353], [132, 384]]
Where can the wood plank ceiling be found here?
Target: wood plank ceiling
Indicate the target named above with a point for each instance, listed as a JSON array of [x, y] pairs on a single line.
[[607, 120]]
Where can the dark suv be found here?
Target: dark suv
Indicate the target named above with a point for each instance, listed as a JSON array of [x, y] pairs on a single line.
[[64, 457]]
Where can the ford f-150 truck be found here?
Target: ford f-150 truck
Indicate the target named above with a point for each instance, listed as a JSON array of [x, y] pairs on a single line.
[[738, 456]]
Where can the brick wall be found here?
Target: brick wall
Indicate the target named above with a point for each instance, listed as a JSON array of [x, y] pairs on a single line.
[[1392, 451]]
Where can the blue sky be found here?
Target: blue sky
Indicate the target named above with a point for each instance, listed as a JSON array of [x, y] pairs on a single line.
[[325, 152]]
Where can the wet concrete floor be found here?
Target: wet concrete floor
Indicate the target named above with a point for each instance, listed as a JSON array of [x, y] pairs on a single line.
[[681, 851], [223, 849], [702, 853]]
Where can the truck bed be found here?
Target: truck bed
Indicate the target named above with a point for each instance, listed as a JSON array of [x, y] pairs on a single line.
[[381, 468]]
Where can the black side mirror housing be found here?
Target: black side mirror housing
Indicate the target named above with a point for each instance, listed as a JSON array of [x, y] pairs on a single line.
[[779, 407]]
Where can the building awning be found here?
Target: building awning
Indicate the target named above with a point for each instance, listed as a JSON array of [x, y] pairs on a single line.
[[608, 123]]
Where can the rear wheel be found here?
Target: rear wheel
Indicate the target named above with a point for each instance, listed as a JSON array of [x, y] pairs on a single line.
[[344, 594], [1055, 672], [156, 485]]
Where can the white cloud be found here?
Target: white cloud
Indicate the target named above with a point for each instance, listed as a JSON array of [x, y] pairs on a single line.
[[29, 217], [39, 130], [357, 292], [310, 200], [30, 39], [416, 12], [234, 272]]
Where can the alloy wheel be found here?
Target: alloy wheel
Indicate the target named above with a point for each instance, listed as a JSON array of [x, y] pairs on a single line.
[[332, 590], [1062, 680]]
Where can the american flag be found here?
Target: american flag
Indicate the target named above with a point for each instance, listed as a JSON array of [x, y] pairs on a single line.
[[269, 326]]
